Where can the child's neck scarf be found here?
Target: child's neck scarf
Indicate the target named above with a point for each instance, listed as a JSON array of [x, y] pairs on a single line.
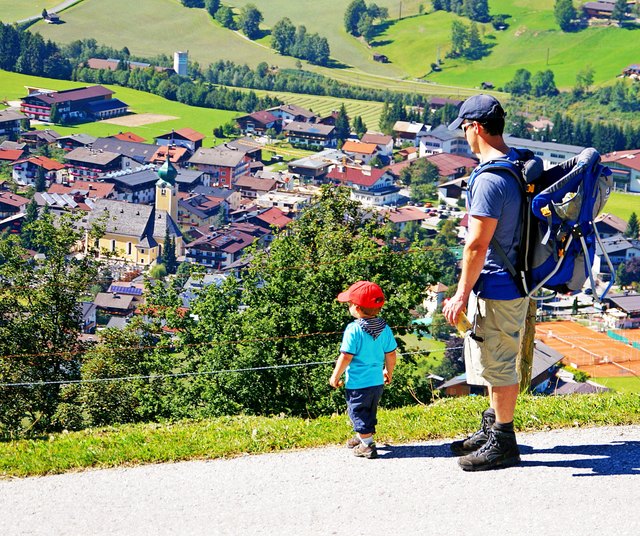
[[372, 326]]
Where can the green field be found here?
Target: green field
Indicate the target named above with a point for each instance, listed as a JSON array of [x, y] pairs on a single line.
[[620, 385], [15, 10], [201, 119], [622, 205]]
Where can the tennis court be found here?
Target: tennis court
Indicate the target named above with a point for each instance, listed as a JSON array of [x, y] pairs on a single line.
[[595, 353]]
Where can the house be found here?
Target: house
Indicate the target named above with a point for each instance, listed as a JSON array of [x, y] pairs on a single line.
[[134, 185], [195, 284], [315, 167], [370, 186], [401, 216], [91, 164], [409, 132], [289, 203], [73, 141], [188, 180], [270, 218], [11, 124], [185, 137], [619, 249], [52, 18], [133, 153], [452, 166], [81, 196], [72, 104], [600, 10], [310, 134], [443, 140], [246, 145], [609, 225], [196, 210], [551, 153], [437, 103], [258, 122], [632, 71], [89, 320], [288, 113], [38, 138], [540, 125], [361, 152], [26, 171], [12, 204], [251, 187], [114, 304], [628, 305], [546, 362], [223, 164], [9, 156], [625, 166], [177, 155], [135, 233], [232, 197], [435, 295], [382, 141], [219, 248]]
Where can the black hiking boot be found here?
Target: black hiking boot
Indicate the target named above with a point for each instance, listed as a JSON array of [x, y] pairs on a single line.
[[476, 440], [500, 450]]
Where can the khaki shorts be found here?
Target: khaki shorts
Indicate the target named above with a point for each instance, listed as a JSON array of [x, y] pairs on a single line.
[[491, 349]]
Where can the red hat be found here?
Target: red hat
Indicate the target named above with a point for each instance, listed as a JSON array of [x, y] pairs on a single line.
[[363, 293]]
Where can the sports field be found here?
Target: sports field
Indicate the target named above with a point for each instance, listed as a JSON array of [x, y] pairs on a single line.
[[595, 353]]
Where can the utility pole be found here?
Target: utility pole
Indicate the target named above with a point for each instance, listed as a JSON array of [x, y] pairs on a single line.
[[547, 57], [400, 12]]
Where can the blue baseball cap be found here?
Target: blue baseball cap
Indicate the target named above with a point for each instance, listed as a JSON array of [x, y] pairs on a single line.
[[479, 108]]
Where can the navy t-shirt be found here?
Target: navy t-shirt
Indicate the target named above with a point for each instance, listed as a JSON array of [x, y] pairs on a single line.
[[496, 194]]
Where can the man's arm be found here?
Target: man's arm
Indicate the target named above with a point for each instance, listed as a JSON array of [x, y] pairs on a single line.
[[480, 232]]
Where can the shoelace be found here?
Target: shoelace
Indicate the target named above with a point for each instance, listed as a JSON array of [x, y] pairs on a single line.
[[491, 442]]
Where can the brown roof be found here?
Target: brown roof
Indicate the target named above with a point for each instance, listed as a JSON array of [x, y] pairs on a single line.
[[107, 300], [253, 183], [43, 162], [175, 153], [190, 134], [275, 217], [81, 93], [613, 221], [377, 138], [356, 175], [448, 164], [630, 159], [13, 200], [405, 214], [90, 189], [10, 154]]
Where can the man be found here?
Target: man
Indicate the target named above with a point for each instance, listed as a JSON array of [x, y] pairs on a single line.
[[497, 309]]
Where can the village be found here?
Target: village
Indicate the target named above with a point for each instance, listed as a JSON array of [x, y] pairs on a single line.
[[212, 204]]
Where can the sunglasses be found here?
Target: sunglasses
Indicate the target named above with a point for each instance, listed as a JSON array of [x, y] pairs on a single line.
[[465, 126]]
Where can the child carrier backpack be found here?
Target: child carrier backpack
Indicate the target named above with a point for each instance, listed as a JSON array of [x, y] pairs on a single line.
[[558, 234]]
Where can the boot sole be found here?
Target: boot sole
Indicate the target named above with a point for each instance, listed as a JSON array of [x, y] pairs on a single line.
[[500, 464]]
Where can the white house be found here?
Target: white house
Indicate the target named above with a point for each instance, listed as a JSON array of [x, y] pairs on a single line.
[[443, 140]]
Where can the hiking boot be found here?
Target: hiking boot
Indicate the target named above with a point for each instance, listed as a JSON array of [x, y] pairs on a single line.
[[365, 451], [476, 440], [353, 442], [500, 450]]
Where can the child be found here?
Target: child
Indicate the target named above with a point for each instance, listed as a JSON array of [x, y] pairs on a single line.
[[368, 355]]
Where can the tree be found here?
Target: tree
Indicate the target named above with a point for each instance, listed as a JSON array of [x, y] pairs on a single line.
[[477, 10], [342, 129], [474, 48], [459, 38], [365, 27], [283, 36], [169, 253], [358, 126], [628, 272], [40, 182], [520, 84], [633, 228], [453, 362], [224, 16], [40, 318], [54, 114], [619, 12], [249, 21], [27, 232], [565, 14], [584, 80], [352, 16], [212, 6], [543, 84], [193, 3]]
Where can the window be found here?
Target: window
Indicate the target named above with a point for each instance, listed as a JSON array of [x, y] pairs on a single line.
[[129, 248], [113, 246]]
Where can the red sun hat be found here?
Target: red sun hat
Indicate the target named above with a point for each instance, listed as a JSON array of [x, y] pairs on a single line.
[[363, 293]]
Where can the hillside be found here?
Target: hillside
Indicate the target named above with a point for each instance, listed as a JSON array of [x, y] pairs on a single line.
[[532, 39]]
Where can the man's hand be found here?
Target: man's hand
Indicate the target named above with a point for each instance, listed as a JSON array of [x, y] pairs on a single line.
[[453, 307], [387, 376]]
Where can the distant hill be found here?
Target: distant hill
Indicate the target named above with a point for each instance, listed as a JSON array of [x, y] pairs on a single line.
[[532, 39]]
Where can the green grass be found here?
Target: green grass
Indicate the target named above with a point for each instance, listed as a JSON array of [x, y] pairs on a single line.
[[621, 385], [622, 205], [14, 10], [201, 119], [233, 436]]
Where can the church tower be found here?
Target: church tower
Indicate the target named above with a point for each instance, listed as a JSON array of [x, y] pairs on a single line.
[[167, 189]]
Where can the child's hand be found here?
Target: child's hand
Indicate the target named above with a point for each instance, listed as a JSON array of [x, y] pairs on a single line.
[[335, 382], [387, 377]]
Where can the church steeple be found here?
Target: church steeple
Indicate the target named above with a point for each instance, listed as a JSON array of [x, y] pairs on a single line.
[[166, 189]]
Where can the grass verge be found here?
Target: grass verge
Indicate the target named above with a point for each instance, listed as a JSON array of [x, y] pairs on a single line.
[[233, 436]]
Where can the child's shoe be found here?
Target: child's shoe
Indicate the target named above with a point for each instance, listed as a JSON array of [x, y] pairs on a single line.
[[353, 442], [365, 451]]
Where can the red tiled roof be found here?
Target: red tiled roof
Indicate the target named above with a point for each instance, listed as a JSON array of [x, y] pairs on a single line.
[[264, 117], [356, 175], [129, 136], [253, 183], [175, 153], [404, 214], [374, 137], [630, 159], [44, 162], [10, 154], [94, 190], [190, 134], [274, 216], [448, 164]]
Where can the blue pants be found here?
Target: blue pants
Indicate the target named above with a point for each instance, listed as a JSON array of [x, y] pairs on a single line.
[[362, 407]]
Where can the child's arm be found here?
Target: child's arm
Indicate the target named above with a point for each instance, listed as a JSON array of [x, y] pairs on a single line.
[[341, 365], [389, 365]]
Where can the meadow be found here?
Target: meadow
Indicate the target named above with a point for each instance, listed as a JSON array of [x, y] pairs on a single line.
[[12, 11], [201, 119], [622, 205]]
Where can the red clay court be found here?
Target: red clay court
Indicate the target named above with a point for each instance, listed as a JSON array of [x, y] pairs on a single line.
[[595, 353]]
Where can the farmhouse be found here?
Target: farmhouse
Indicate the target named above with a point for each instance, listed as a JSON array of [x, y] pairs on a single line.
[[443, 140], [409, 132], [359, 151], [185, 137], [257, 122], [10, 123], [601, 10], [95, 102], [310, 134], [288, 113], [383, 141], [370, 186], [609, 225], [25, 172], [11, 204]]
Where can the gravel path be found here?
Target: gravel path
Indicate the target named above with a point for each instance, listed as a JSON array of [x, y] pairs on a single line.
[[575, 481]]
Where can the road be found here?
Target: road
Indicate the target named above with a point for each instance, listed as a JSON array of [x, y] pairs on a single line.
[[575, 481]]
